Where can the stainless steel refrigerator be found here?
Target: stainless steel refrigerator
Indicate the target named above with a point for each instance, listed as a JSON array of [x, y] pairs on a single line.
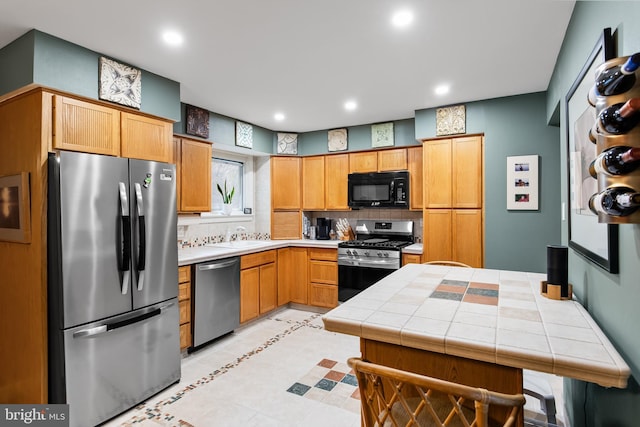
[[114, 335]]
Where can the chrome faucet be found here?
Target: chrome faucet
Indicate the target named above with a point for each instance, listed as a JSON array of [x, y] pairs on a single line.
[[227, 236]]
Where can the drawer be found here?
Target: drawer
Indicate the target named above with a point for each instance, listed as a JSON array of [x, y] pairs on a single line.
[[323, 254], [184, 291], [184, 274], [185, 336], [323, 272], [260, 258], [185, 311]]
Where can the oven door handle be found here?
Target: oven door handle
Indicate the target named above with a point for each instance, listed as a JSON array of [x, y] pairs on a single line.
[[367, 263]]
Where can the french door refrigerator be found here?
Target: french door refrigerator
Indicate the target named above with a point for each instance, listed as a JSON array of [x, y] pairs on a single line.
[[114, 335]]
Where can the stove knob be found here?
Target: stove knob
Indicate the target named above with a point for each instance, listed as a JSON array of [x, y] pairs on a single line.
[[366, 253], [386, 254], [354, 252], [379, 254]]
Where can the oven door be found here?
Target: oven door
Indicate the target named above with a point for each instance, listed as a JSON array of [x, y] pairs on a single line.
[[353, 279]]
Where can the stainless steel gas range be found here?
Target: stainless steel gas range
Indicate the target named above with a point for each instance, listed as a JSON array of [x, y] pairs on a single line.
[[375, 253]]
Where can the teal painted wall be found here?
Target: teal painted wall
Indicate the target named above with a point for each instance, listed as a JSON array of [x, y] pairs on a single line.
[[222, 130], [513, 126], [61, 65], [612, 299], [359, 138], [16, 63]]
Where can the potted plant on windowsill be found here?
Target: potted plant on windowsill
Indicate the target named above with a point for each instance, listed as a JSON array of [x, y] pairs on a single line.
[[227, 197]]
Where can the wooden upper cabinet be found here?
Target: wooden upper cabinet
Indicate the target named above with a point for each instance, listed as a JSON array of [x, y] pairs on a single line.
[[313, 183], [194, 176], [437, 173], [285, 183], [336, 177], [467, 172], [453, 172], [82, 126], [286, 225], [366, 161], [146, 138], [414, 166], [392, 160]]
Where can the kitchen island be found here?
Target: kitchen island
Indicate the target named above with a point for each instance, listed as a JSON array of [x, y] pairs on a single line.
[[476, 326]]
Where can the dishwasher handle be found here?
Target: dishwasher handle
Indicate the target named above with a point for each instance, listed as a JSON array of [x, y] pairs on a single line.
[[215, 266]]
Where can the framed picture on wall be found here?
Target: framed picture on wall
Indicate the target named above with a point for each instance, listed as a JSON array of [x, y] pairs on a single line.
[[522, 183], [596, 242], [15, 205], [197, 121]]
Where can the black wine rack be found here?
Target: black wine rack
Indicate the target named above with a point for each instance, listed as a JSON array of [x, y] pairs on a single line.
[[605, 140]]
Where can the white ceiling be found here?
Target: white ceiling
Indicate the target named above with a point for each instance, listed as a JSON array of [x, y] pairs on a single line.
[[249, 59]]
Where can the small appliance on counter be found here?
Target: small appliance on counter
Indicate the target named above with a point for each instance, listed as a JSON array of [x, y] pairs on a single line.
[[324, 228]]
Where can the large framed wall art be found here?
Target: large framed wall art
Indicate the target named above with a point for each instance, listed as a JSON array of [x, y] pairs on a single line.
[[596, 242]]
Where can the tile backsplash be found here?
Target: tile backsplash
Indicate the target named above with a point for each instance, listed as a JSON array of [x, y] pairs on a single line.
[[199, 234], [193, 233]]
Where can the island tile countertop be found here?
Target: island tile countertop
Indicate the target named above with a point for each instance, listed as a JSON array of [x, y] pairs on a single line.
[[488, 315], [221, 250]]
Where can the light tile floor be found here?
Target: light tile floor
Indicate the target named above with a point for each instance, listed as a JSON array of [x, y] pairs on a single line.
[[282, 370]]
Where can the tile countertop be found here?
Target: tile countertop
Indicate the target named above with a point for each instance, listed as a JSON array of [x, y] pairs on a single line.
[[415, 249], [489, 315], [221, 250]]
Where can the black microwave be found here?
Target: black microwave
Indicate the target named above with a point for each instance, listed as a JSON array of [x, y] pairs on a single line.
[[379, 190]]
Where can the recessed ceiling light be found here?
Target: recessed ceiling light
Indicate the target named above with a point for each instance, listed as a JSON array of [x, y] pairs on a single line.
[[402, 18], [442, 90], [350, 105], [172, 38], [278, 116]]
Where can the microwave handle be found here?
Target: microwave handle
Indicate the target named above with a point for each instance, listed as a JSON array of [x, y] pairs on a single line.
[[393, 183]]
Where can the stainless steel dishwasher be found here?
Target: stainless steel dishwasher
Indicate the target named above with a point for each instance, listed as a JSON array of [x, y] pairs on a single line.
[[216, 300]]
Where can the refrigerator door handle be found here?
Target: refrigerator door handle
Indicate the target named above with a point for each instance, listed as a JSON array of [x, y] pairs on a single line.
[[216, 265], [142, 249], [101, 329], [90, 332], [126, 234]]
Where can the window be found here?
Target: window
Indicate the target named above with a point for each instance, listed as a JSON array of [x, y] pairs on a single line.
[[232, 172]]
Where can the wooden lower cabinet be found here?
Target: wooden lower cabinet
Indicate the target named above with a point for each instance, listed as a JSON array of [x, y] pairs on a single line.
[[184, 302], [292, 275], [467, 237], [323, 277], [411, 259], [258, 284], [454, 235]]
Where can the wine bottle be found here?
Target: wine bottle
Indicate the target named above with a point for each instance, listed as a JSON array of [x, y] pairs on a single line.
[[615, 201], [618, 160], [620, 118], [615, 80]]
